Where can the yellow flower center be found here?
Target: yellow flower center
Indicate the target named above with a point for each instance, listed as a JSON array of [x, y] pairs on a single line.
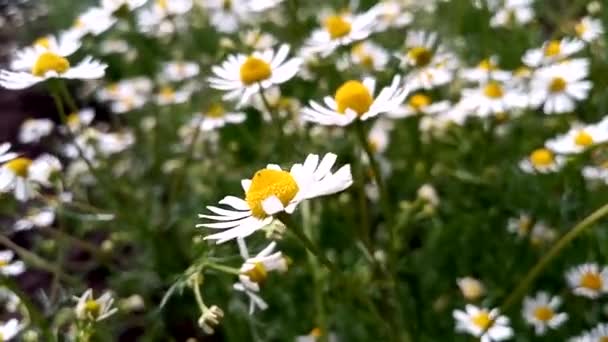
[[522, 71], [487, 65], [366, 59], [92, 307], [420, 55], [592, 281], [557, 85], [604, 339], [163, 4], [167, 93], [73, 119], [19, 166], [553, 48], [524, 225], [353, 95], [227, 5], [541, 157], [316, 332], [583, 139], [78, 23], [580, 29], [543, 313], [216, 111], [419, 101], [43, 42], [2, 264], [482, 319], [337, 26], [493, 90], [254, 70], [257, 273], [267, 183], [49, 61]]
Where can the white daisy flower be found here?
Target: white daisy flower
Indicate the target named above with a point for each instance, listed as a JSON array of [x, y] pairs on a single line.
[[5, 155], [485, 71], [10, 329], [63, 46], [216, 117], [243, 76], [115, 5], [210, 319], [81, 119], [378, 137], [179, 71], [35, 218], [168, 96], [32, 130], [589, 29], [579, 138], [487, 325], [94, 21], [598, 334], [558, 87], [227, 15], [48, 65], [10, 301], [521, 225], [471, 288], [90, 309], [512, 12], [355, 100], [588, 280], [8, 267], [22, 175], [552, 51], [126, 95], [254, 272], [117, 46], [390, 14], [596, 173], [492, 98], [262, 5], [418, 104], [258, 40], [541, 312], [272, 190], [369, 55], [339, 30], [542, 160], [172, 7], [431, 65]]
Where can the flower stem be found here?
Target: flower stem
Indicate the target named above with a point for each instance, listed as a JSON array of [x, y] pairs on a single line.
[[314, 250], [274, 116], [196, 287], [222, 268], [577, 230]]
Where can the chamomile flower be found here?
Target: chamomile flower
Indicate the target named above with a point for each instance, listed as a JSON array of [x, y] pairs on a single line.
[[35, 218], [579, 138], [167, 95], [430, 64], [216, 117], [179, 71], [487, 325], [90, 309], [65, 44], [596, 173], [8, 266], [378, 137], [491, 98], [354, 100], [254, 272], [10, 301], [262, 5], [126, 95], [10, 329], [339, 30], [47, 65], [521, 225], [273, 190], [171, 7], [81, 119], [518, 12], [552, 51], [486, 70], [589, 29], [23, 175], [542, 160], [115, 5], [558, 87], [94, 21], [369, 55], [541, 312], [390, 14], [227, 15], [32, 130], [243, 76], [599, 333], [471, 288], [417, 104], [588, 280], [5, 155], [258, 40]]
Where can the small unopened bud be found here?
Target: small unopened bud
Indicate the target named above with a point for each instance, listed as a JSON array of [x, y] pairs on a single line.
[[30, 336], [471, 288], [107, 246], [210, 319], [132, 303], [428, 193], [594, 7], [275, 230]]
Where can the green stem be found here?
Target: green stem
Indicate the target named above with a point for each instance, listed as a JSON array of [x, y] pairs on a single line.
[[67, 96], [293, 228], [274, 116], [577, 230], [222, 268], [196, 284]]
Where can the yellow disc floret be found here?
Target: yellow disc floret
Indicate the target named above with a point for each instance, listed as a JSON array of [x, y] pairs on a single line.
[[419, 101], [353, 95], [257, 273], [592, 281], [43, 42], [49, 61], [19, 166], [493, 90], [92, 308], [543, 313], [254, 70], [542, 157], [267, 183], [557, 85], [420, 55], [216, 111], [482, 319], [583, 139], [337, 26], [553, 48]]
